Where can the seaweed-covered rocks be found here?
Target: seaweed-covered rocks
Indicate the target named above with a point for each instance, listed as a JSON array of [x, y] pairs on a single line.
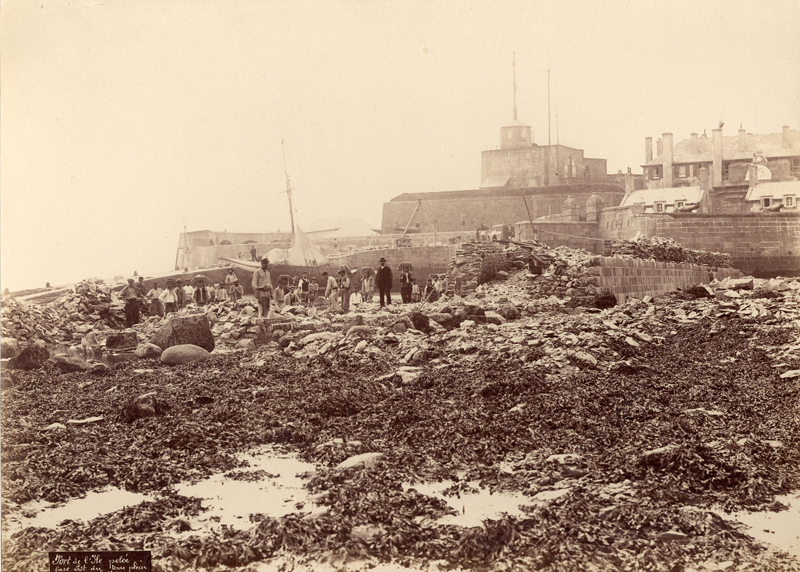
[[67, 364], [31, 357], [122, 341], [147, 405]]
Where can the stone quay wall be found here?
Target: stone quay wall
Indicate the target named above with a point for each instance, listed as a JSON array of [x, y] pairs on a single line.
[[632, 277]]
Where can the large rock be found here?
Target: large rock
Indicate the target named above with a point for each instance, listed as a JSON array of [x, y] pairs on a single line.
[[494, 318], [122, 341], [475, 313], [363, 331], [421, 322], [365, 460], [180, 330], [68, 364], [317, 336], [183, 353], [448, 321], [148, 351], [509, 311], [32, 356], [9, 347], [738, 283]]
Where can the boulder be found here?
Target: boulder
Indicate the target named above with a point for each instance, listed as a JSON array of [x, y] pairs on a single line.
[[32, 356], [143, 406], [246, 343], [475, 313], [181, 330], [494, 318], [421, 322], [122, 341], [365, 460], [99, 368], [584, 359], [739, 283], [398, 328], [447, 321], [69, 364], [324, 336], [363, 331], [9, 347], [148, 351], [509, 311], [183, 353]]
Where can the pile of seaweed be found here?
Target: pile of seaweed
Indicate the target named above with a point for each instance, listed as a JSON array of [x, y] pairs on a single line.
[[643, 454]]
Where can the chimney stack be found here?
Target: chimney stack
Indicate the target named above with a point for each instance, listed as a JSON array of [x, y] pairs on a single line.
[[659, 148], [786, 137], [716, 154], [648, 149], [742, 139], [694, 146], [666, 160]]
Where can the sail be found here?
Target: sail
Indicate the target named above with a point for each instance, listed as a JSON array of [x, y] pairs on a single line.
[[301, 253]]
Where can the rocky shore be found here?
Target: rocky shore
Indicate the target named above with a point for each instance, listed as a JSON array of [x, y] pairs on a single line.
[[622, 431]]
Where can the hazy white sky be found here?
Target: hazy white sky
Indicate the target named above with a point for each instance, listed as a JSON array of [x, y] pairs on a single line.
[[121, 119]]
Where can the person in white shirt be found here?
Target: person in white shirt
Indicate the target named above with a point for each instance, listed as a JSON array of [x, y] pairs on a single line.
[[169, 298], [156, 307], [221, 294], [330, 285], [189, 292]]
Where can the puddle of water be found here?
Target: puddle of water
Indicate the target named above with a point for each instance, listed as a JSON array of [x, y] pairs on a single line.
[[778, 529], [228, 501], [94, 504], [473, 509], [231, 502], [107, 357]]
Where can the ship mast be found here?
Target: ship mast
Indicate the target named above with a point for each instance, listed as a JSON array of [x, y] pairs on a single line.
[[288, 189]]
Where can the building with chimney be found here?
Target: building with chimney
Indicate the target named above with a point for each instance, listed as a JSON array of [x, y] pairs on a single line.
[[728, 160], [724, 194]]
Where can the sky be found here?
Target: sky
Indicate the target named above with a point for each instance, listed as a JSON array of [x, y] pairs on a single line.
[[122, 120]]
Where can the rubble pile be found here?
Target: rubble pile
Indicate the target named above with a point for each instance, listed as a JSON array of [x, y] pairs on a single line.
[[667, 250], [92, 306], [572, 273], [479, 263]]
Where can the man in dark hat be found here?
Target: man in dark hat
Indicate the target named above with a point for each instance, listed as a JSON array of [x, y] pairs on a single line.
[[383, 279]]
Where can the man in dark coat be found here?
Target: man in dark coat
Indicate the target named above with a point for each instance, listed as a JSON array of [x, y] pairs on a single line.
[[383, 279], [180, 294]]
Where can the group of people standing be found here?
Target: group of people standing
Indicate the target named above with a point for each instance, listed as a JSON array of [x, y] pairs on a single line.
[[305, 290], [158, 301], [410, 291]]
